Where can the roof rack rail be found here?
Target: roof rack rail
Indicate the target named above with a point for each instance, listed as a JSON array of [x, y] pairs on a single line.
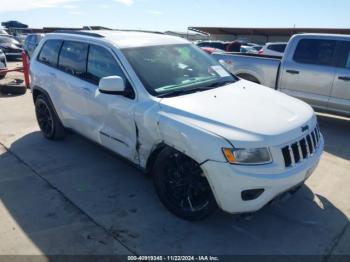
[[73, 32], [141, 31]]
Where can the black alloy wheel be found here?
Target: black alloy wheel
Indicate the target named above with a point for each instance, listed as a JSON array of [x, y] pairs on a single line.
[[182, 187]]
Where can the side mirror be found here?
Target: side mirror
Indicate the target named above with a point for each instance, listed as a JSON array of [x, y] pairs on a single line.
[[112, 85]]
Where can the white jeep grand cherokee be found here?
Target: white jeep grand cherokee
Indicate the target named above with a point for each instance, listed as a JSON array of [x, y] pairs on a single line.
[[208, 138]]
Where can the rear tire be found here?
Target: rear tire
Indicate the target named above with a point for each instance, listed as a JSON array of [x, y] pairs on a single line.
[[48, 121], [13, 90], [182, 187]]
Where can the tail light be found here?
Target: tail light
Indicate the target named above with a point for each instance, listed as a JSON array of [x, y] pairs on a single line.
[[261, 52]]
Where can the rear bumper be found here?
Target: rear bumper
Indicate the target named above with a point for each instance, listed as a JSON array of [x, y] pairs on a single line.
[[228, 183]]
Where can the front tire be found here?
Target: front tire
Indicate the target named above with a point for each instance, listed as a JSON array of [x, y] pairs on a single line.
[[49, 123], [182, 187]]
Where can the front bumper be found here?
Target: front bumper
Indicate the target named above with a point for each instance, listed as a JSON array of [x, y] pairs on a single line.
[[229, 181]]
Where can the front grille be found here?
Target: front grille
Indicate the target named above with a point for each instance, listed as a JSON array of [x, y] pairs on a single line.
[[299, 150]]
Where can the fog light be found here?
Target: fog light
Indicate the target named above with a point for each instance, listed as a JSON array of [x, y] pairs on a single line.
[[251, 194]]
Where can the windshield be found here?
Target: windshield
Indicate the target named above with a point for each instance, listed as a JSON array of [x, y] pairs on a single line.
[[169, 68]]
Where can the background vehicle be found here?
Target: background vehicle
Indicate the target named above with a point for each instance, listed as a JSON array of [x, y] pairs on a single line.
[[211, 50], [144, 101], [314, 68], [31, 43], [11, 47], [248, 49], [274, 49], [214, 44], [21, 38], [3, 32], [3, 63]]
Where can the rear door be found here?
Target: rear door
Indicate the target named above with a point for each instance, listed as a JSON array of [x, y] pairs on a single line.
[[340, 95], [71, 86], [308, 73]]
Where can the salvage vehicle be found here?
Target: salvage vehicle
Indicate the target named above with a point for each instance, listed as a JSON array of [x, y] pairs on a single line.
[[11, 47], [314, 68], [31, 42], [208, 138], [3, 63]]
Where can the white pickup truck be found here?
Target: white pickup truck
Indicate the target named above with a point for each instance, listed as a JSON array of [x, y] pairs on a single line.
[[314, 68]]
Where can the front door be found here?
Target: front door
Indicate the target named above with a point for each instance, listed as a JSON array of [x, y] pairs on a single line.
[[111, 116], [71, 85]]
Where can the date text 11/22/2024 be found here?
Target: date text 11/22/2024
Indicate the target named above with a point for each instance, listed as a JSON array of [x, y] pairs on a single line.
[[173, 258]]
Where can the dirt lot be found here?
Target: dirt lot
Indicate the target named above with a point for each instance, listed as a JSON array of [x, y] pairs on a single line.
[[73, 197]]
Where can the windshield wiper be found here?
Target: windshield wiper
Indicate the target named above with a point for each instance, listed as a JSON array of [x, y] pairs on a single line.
[[221, 83], [194, 90], [183, 92]]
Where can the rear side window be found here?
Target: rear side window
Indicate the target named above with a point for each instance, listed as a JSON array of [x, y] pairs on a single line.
[[316, 52], [277, 48], [73, 57], [101, 63], [49, 53]]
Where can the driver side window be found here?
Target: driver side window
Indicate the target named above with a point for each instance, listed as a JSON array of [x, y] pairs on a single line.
[[102, 64]]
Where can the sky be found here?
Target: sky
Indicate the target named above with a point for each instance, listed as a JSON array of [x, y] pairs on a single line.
[[177, 15]]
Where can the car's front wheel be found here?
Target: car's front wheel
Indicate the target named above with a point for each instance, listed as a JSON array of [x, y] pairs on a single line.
[[48, 120], [182, 187]]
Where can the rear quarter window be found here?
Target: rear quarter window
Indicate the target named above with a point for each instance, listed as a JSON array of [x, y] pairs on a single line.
[[49, 52]]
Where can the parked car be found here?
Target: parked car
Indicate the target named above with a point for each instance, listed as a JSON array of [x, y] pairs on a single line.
[[3, 32], [248, 49], [314, 68], [211, 50], [256, 47], [273, 49], [208, 138], [11, 47], [31, 43], [214, 44], [3, 63], [21, 38]]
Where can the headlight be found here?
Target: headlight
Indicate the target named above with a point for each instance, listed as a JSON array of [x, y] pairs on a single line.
[[253, 156]]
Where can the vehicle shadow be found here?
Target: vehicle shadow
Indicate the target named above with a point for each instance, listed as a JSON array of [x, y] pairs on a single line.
[[336, 131], [79, 182]]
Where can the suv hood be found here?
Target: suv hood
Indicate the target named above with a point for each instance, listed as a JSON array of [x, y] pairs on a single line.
[[244, 113]]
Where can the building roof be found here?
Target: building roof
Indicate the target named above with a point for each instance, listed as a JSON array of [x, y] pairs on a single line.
[[266, 31]]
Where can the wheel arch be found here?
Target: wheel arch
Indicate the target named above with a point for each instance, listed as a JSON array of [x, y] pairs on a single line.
[[36, 90], [249, 77], [157, 149]]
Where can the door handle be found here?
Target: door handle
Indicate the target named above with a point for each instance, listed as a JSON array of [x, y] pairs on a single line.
[[293, 72], [344, 78]]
